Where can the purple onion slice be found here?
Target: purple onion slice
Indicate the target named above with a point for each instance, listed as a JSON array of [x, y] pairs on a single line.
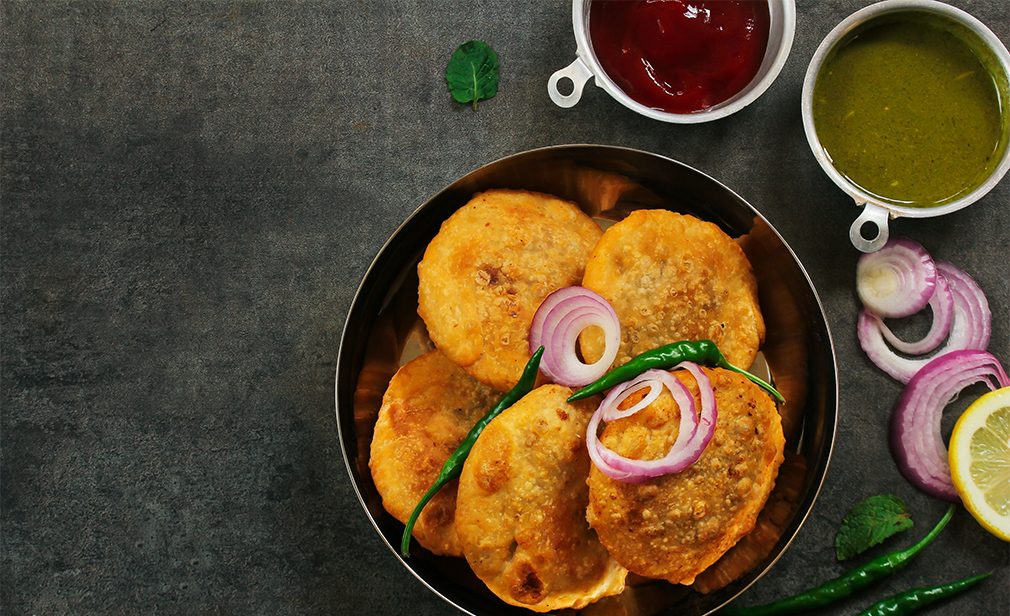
[[971, 327], [897, 280], [916, 441], [556, 326], [692, 438]]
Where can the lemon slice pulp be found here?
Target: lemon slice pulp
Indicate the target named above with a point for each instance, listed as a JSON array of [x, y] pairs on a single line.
[[980, 461]]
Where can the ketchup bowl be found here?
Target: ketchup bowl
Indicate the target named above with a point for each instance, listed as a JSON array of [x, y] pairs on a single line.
[[668, 61]]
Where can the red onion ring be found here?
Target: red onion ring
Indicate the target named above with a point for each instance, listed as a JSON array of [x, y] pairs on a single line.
[[978, 327], [970, 328], [609, 411], [556, 326], [916, 441], [897, 280], [612, 402], [692, 439], [942, 307]]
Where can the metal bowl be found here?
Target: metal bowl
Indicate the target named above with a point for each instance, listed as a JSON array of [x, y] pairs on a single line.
[[382, 331]]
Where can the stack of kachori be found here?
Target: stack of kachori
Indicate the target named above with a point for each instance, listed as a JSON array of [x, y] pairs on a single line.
[[536, 521]]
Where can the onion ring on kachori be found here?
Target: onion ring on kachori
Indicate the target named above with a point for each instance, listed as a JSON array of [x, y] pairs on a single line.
[[673, 527]]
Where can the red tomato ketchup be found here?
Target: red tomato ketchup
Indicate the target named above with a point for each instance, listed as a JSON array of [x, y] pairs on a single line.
[[679, 56]]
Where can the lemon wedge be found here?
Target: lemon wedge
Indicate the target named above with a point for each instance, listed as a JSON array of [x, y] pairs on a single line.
[[980, 461]]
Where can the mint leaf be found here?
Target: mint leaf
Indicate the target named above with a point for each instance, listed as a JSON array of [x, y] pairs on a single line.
[[869, 523], [472, 73]]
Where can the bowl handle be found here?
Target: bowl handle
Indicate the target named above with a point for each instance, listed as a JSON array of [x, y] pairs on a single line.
[[578, 73], [876, 216]]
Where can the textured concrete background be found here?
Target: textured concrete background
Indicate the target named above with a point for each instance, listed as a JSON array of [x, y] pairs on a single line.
[[191, 193]]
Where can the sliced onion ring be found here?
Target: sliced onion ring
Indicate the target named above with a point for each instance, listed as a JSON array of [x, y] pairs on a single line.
[[655, 380], [970, 329], [556, 326], [942, 306], [916, 441], [897, 280], [976, 329], [692, 438], [609, 410]]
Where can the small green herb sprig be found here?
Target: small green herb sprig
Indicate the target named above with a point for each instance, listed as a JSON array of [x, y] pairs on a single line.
[[869, 523], [472, 73]]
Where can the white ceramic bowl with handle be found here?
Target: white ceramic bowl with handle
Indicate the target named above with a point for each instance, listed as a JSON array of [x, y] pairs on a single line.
[[782, 27], [876, 211]]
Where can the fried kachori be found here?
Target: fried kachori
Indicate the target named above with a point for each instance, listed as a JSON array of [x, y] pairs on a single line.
[[673, 527], [428, 408], [521, 507], [674, 277], [485, 273]]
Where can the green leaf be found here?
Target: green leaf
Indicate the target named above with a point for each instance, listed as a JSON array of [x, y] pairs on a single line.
[[472, 73], [869, 523]]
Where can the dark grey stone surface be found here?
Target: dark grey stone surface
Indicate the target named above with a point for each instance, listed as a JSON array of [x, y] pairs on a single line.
[[190, 195]]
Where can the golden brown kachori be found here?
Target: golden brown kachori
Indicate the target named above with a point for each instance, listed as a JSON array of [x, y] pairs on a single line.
[[488, 269], [673, 527], [429, 406], [674, 277], [521, 507]]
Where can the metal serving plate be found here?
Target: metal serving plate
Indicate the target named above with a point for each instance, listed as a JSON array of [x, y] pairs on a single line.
[[382, 331]]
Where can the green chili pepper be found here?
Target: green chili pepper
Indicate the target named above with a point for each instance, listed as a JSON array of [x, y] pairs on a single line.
[[454, 465], [847, 584], [698, 351], [912, 601]]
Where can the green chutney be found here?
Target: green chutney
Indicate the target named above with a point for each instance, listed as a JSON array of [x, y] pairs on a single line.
[[908, 112]]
